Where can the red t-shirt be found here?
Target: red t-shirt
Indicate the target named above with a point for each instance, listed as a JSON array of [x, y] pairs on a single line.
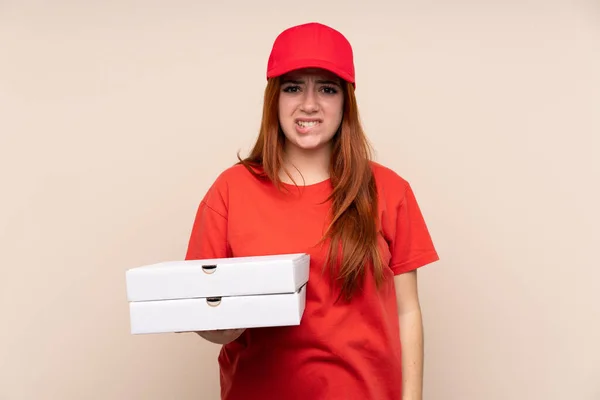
[[340, 350]]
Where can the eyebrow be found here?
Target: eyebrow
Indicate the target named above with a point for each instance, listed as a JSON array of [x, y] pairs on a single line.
[[320, 81]]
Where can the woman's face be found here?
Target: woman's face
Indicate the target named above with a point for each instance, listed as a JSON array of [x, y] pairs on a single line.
[[311, 106]]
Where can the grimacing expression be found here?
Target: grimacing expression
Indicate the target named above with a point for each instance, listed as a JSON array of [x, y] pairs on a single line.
[[311, 105]]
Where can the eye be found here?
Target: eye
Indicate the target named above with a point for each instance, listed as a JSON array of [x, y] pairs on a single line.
[[329, 89], [291, 89]]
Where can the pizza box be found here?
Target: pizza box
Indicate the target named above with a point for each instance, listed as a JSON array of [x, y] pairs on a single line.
[[212, 313], [220, 277]]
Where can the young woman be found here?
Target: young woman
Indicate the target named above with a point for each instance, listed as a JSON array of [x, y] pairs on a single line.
[[309, 185]]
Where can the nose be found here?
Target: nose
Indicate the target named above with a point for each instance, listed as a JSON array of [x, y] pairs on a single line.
[[310, 102]]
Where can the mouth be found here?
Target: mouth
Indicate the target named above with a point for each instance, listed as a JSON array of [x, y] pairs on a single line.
[[305, 123]]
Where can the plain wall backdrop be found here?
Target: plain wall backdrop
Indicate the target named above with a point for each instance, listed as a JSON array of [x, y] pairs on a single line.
[[116, 116]]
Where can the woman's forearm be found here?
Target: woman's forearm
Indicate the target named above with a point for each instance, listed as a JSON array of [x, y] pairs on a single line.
[[411, 337]]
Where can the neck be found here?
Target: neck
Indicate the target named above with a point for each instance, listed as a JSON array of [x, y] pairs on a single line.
[[306, 167]]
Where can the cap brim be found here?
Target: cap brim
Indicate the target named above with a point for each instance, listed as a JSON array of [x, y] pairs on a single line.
[[284, 68]]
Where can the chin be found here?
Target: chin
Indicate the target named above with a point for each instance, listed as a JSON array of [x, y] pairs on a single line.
[[308, 143]]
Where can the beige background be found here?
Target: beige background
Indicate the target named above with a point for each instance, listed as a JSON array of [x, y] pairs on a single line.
[[116, 116]]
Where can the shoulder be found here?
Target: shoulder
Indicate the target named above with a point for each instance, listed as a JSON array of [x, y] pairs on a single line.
[[391, 186], [234, 178], [386, 174], [232, 175]]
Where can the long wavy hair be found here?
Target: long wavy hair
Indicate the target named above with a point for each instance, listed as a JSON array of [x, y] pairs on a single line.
[[353, 229]]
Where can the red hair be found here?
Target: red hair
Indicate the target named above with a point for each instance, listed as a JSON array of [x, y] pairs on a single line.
[[353, 229]]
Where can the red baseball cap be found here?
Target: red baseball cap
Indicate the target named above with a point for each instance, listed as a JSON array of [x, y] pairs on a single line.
[[312, 45]]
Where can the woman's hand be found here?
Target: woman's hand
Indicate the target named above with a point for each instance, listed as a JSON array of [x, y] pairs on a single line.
[[222, 336]]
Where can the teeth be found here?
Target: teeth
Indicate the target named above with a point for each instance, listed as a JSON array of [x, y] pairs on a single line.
[[306, 124]]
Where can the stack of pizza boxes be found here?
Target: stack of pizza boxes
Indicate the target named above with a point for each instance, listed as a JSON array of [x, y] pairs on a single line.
[[212, 294]]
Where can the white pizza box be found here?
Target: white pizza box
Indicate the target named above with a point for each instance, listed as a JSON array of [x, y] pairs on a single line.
[[229, 312], [219, 277]]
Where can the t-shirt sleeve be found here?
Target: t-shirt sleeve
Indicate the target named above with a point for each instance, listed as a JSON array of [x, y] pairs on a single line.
[[208, 238], [412, 246]]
